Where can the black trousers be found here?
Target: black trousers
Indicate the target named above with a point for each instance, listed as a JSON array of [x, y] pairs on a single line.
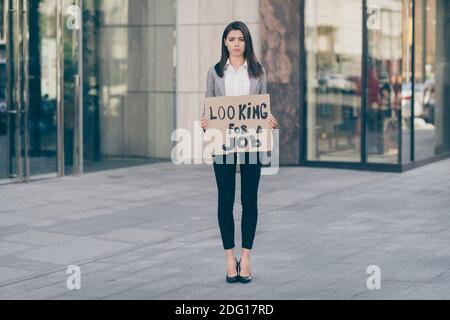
[[225, 172]]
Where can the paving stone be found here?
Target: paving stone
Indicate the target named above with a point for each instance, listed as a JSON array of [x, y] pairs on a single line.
[[74, 252], [39, 238], [152, 234]]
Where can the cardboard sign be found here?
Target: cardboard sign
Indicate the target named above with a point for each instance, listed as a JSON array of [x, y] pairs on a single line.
[[241, 124]]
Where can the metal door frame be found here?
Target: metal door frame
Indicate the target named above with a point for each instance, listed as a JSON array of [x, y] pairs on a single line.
[[17, 92], [15, 105], [363, 164], [8, 97]]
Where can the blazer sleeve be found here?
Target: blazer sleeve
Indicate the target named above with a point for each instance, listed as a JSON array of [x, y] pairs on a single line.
[[264, 82], [210, 84]]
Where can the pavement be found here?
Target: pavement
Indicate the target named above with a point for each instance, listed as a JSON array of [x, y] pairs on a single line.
[[151, 232]]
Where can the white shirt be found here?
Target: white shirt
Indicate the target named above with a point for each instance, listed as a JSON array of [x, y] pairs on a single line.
[[237, 83]]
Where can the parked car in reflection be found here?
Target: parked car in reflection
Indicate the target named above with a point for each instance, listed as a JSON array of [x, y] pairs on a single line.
[[335, 82]]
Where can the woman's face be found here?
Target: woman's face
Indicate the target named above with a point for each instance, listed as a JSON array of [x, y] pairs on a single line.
[[235, 43]]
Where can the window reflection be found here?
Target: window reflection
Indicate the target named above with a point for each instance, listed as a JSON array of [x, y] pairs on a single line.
[[334, 53], [3, 107], [385, 79], [129, 81], [432, 107], [43, 87]]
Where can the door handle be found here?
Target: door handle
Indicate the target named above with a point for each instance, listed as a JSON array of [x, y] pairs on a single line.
[[15, 111]]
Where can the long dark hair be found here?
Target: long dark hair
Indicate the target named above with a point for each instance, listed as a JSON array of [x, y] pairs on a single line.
[[255, 69]]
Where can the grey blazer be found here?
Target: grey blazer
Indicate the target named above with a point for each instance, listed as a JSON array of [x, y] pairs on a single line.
[[215, 86]]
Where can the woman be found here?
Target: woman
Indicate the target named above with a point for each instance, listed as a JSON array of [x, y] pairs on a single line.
[[238, 73]]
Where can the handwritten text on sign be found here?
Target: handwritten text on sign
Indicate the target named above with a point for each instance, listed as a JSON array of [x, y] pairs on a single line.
[[242, 121]]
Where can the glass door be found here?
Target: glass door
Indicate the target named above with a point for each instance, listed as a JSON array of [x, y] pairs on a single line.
[[5, 138], [43, 88], [29, 94], [333, 51], [388, 72], [13, 92], [358, 82]]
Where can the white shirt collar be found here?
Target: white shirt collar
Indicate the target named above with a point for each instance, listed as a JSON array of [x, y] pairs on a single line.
[[228, 64]]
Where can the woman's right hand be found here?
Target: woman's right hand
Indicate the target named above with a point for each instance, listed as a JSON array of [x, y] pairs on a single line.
[[204, 122]]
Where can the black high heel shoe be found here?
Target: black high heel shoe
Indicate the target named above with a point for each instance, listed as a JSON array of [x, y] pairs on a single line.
[[235, 278], [244, 279]]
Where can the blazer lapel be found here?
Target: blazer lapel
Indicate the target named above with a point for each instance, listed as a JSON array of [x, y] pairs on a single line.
[[221, 86], [253, 84]]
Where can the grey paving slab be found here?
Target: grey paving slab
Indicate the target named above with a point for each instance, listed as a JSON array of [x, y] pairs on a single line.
[[39, 238], [134, 266], [10, 274], [43, 293], [17, 228], [9, 219], [42, 223], [158, 287], [139, 235], [430, 292], [148, 232], [94, 225], [12, 261], [191, 292], [323, 283], [101, 285], [74, 252], [390, 290], [45, 285], [9, 248], [31, 282]]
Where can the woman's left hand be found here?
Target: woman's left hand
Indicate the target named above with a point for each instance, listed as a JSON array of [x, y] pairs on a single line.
[[273, 122]]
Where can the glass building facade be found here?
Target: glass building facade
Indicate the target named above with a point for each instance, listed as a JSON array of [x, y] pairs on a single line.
[[85, 85], [89, 85], [376, 83]]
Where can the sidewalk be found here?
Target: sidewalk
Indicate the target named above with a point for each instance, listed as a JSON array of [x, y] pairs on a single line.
[[151, 232]]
